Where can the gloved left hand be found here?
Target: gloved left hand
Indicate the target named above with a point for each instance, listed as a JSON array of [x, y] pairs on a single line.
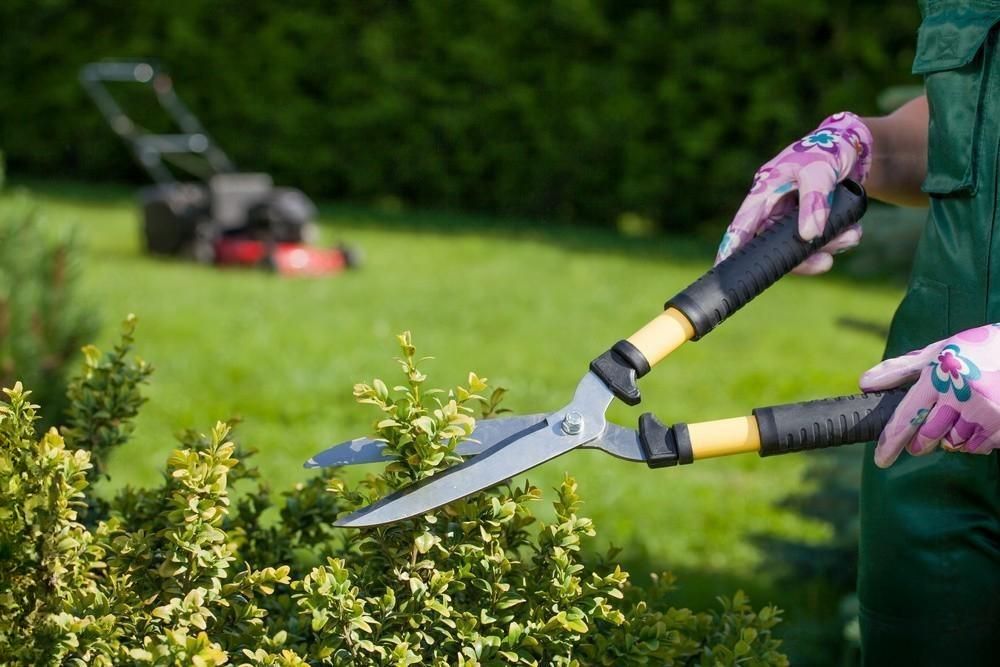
[[955, 401], [804, 176]]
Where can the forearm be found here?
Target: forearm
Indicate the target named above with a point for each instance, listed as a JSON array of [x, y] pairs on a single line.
[[899, 155]]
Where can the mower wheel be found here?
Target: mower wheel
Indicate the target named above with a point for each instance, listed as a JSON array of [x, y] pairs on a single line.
[[202, 248], [353, 258], [171, 215]]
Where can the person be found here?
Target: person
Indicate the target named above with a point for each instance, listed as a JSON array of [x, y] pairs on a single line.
[[929, 561]]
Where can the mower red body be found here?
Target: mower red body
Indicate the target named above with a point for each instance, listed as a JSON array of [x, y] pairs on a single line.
[[284, 258]]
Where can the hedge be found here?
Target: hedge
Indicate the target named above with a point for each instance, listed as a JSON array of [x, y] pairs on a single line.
[[570, 109], [191, 572]]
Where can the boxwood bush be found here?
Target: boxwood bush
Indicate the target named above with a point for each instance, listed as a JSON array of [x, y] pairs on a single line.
[[190, 573]]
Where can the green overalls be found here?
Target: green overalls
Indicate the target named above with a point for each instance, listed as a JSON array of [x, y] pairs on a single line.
[[929, 582]]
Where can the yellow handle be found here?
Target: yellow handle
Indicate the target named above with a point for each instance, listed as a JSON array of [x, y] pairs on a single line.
[[664, 334], [661, 336], [724, 437]]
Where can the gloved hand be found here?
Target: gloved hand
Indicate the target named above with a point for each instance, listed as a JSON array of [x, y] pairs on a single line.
[[955, 401], [839, 148]]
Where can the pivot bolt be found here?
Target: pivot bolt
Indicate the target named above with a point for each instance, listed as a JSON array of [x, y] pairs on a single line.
[[572, 423]]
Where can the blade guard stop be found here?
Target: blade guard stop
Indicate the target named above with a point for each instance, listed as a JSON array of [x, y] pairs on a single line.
[[619, 368], [664, 446]]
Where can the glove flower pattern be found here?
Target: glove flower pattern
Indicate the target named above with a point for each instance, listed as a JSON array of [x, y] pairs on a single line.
[[953, 372], [954, 402], [824, 138]]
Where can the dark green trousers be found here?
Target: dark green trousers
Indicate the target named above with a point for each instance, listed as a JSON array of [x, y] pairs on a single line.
[[929, 581]]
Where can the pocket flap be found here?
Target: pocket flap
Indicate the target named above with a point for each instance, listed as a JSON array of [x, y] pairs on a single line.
[[950, 38]]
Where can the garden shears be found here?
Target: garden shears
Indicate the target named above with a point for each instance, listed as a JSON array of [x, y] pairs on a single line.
[[502, 448]]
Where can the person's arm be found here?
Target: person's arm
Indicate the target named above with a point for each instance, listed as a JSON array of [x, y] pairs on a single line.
[[899, 154]]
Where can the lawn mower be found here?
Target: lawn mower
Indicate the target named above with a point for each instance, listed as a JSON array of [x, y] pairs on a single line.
[[226, 217]]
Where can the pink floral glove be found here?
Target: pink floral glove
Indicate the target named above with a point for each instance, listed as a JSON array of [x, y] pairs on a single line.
[[955, 401], [839, 148]]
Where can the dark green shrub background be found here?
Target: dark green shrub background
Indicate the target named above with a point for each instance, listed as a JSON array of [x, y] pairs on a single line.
[[571, 109]]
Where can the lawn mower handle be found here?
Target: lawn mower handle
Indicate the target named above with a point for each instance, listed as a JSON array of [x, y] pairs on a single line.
[[778, 429], [150, 149], [721, 291]]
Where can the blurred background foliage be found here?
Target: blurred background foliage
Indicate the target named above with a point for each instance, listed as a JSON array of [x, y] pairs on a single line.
[[583, 110], [43, 318]]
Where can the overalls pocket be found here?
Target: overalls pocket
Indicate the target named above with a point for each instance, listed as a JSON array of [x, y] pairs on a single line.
[[950, 55]]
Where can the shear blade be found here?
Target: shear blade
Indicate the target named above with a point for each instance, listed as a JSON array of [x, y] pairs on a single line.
[[488, 432], [617, 440], [518, 453], [502, 462]]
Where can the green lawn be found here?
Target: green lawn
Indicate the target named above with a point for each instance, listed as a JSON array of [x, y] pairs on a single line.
[[523, 305]]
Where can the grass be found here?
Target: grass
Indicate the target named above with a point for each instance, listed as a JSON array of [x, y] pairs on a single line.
[[523, 304]]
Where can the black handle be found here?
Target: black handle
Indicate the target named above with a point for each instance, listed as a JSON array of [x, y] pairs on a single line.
[[793, 427], [828, 422], [761, 262]]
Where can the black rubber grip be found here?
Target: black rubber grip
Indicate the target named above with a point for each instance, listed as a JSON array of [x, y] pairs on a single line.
[[829, 422], [756, 266]]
